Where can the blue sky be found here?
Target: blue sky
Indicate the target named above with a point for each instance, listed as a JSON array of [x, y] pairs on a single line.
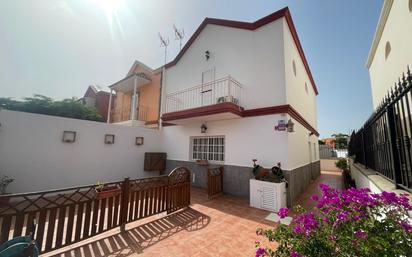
[[57, 48]]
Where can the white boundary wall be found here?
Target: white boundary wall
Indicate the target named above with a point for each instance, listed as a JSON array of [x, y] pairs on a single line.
[[32, 151]]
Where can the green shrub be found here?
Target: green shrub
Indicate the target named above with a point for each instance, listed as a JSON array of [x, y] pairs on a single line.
[[342, 164]]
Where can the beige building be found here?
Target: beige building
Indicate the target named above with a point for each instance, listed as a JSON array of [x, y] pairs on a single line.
[[137, 97], [391, 50]]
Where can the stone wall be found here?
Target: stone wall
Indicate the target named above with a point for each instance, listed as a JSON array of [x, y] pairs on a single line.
[[299, 179], [236, 178]]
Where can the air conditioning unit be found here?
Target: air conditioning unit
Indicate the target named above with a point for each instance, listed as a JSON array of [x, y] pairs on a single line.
[[227, 99], [267, 195]]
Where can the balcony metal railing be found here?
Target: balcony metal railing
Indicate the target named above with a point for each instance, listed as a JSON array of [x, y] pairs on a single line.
[[222, 90], [142, 113]]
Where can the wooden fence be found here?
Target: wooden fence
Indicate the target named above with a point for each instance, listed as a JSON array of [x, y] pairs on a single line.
[[214, 182], [67, 216]]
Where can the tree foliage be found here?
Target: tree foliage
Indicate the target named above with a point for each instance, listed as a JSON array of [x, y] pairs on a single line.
[[341, 140], [69, 108]]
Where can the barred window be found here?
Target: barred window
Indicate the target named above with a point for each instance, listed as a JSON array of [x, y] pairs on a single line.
[[208, 148]]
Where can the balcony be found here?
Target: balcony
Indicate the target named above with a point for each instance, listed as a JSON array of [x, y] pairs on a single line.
[[215, 100], [124, 117]]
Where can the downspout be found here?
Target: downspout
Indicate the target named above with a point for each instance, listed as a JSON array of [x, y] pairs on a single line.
[[162, 79]]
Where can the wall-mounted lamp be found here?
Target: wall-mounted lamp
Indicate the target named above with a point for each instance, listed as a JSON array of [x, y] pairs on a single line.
[[207, 55], [69, 136], [290, 126], [139, 141], [203, 129], [311, 134]]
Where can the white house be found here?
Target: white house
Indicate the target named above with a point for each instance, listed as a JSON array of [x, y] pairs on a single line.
[[391, 49], [243, 82]]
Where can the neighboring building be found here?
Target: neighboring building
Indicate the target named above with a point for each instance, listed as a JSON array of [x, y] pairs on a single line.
[[329, 142], [241, 84], [97, 97], [391, 49], [137, 97]]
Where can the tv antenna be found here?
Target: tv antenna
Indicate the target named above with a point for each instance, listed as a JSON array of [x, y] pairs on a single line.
[[164, 42], [179, 35]]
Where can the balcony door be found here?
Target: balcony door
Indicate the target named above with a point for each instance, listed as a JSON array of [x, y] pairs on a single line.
[[206, 91]]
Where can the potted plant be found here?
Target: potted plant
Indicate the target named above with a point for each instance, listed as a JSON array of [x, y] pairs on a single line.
[[104, 191], [275, 174], [273, 178], [4, 183], [342, 164]]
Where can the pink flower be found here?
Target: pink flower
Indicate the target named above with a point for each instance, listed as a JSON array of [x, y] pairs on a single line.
[[406, 226], [283, 212], [314, 198], [295, 254], [361, 234], [260, 252]]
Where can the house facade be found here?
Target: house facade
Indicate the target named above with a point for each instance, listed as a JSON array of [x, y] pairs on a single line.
[[97, 97], [232, 94], [137, 97], [391, 51]]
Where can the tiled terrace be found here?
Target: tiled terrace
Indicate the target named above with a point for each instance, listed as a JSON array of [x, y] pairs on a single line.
[[224, 226]]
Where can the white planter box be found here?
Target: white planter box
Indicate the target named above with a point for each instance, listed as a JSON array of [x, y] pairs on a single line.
[[267, 195]]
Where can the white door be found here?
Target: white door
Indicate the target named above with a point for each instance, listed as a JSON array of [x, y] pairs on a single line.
[[206, 92], [310, 152]]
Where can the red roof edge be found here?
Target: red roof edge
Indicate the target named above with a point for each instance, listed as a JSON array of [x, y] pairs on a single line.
[[284, 12]]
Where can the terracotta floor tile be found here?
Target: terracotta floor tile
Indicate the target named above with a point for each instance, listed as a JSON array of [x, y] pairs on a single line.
[[225, 226]]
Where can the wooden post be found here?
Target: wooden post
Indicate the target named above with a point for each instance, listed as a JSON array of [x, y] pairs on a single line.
[[124, 203]]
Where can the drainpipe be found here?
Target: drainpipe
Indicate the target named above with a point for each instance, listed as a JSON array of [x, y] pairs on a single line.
[[110, 106], [162, 80]]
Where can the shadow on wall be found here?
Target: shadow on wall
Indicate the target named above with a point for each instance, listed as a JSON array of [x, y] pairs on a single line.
[[135, 240]]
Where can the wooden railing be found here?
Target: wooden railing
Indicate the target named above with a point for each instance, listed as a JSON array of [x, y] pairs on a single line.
[[214, 182], [222, 90], [67, 216]]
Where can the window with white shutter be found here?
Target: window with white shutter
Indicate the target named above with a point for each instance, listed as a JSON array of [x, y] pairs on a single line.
[[208, 148]]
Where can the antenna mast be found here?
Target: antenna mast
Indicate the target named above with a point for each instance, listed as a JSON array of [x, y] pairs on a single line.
[[179, 34], [164, 42]]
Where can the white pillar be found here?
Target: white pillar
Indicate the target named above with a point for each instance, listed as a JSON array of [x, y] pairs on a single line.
[[110, 106], [134, 100]]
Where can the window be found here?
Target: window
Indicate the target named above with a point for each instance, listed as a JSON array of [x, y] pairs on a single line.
[[294, 67], [410, 5], [208, 148], [387, 49]]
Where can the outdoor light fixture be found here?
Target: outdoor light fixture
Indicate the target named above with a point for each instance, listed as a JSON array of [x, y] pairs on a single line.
[[139, 140], [203, 129], [109, 139], [207, 55], [290, 126], [69, 136]]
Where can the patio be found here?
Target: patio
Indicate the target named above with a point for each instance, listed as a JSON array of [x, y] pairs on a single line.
[[224, 226]]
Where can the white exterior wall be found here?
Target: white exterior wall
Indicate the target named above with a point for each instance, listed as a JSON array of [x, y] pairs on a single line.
[[303, 101], [296, 95], [397, 31], [302, 148], [32, 151], [254, 58], [245, 139]]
